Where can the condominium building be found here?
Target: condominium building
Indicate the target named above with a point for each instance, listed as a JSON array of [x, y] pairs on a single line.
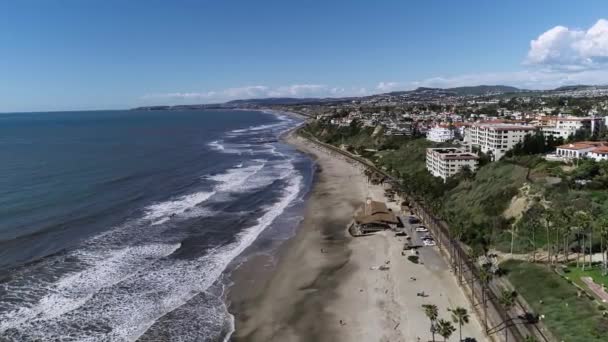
[[566, 126], [440, 133], [496, 138], [446, 162]]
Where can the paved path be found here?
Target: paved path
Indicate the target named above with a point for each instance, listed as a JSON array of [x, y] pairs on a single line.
[[596, 288]]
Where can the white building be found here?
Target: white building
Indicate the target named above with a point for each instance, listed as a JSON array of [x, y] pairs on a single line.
[[496, 138], [446, 162], [440, 133], [596, 150], [599, 153], [565, 126]]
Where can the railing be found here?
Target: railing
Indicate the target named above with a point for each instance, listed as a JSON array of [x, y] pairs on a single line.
[[493, 315]]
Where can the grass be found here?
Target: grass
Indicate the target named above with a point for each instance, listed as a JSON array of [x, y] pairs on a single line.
[[575, 274], [569, 317]]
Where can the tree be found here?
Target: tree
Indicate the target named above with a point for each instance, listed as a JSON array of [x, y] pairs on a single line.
[[461, 317], [486, 276], [445, 329], [582, 221], [432, 313], [507, 300], [602, 228]]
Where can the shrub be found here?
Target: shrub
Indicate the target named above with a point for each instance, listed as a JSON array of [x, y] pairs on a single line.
[[413, 258]]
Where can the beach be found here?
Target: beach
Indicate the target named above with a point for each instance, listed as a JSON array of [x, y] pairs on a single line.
[[326, 285]]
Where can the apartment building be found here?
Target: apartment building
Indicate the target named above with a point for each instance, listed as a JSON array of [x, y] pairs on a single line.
[[565, 126], [496, 138], [446, 162]]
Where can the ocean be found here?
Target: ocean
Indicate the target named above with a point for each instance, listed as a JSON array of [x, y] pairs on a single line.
[[125, 225]]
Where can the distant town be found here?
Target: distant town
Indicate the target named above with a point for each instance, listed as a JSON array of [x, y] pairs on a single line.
[[479, 119]]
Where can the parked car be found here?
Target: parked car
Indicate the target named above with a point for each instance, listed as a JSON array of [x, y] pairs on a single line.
[[429, 242], [421, 229]]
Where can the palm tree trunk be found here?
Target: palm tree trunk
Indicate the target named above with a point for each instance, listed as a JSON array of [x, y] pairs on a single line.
[[548, 243], [512, 238], [566, 247], [485, 309], [578, 250], [590, 248], [556, 257], [460, 323], [533, 243], [584, 254], [602, 251]]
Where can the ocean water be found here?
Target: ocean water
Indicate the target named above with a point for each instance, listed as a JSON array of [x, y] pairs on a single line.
[[124, 225]]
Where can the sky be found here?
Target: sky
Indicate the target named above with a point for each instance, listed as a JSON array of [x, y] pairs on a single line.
[[110, 54]]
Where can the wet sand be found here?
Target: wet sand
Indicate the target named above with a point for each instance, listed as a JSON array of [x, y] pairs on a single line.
[[326, 285]]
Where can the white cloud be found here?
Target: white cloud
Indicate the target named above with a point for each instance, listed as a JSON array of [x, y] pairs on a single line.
[[256, 91], [571, 49], [525, 79], [387, 86]]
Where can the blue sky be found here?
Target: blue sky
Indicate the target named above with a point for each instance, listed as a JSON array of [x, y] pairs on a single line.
[[89, 54]]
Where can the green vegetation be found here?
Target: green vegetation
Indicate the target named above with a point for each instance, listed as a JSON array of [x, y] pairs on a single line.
[[461, 317], [519, 204], [432, 313], [570, 317], [596, 273]]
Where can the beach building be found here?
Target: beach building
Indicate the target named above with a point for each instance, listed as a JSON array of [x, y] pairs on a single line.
[[440, 133], [599, 153], [496, 138], [373, 216], [446, 162], [597, 150]]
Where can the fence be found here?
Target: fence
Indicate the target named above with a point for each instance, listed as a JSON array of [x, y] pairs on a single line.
[[483, 295]]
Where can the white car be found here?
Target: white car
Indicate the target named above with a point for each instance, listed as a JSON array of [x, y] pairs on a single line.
[[429, 242], [422, 229]]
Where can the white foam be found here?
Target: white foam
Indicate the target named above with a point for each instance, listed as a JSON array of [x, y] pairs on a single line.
[[236, 177], [162, 212], [131, 299], [257, 128], [106, 268], [218, 259], [216, 145], [220, 146]]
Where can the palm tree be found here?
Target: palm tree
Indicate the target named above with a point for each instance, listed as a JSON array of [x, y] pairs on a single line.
[[602, 228], [460, 316], [507, 300], [432, 313], [445, 329], [583, 220], [486, 276]]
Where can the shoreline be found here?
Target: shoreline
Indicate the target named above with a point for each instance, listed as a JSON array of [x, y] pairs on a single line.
[[326, 286], [292, 294]]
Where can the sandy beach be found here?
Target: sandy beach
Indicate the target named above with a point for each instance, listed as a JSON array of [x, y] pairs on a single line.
[[326, 285]]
